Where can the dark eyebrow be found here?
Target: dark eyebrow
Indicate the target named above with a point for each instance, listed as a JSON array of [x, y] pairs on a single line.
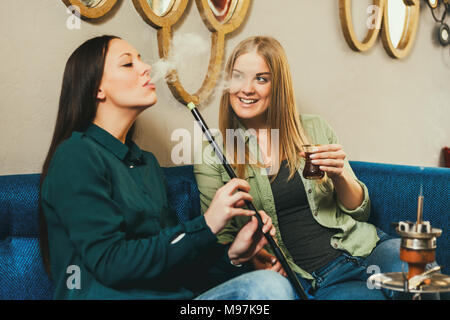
[[129, 54]]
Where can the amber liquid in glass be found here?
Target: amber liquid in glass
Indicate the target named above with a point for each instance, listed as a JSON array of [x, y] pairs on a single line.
[[312, 171]]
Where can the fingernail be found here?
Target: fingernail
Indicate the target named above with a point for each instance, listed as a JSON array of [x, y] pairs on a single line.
[[315, 149], [314, 161]]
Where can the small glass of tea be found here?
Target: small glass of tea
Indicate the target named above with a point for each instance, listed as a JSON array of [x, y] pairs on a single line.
[[311, 171]]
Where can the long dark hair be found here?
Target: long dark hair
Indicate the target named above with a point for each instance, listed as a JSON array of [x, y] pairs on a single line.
[[77, 108]]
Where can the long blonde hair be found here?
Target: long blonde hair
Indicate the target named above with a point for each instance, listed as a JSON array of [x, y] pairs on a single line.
[[282, 112]]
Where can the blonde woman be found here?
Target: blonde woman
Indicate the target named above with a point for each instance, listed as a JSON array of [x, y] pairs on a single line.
[[321, 224]]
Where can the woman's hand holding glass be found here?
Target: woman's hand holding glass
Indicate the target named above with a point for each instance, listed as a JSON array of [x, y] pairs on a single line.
[[330, 158]]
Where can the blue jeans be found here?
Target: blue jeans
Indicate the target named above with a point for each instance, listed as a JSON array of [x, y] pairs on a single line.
[[255, 285], [345, 278]]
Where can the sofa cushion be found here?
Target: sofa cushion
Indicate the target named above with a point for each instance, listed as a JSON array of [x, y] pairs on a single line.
[[18, 205], [22, 274]]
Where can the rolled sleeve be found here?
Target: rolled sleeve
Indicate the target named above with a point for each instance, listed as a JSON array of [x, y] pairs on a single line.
[[362, 212]]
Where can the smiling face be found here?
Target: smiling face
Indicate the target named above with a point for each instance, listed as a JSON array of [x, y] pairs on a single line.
[[250, 89], [126, 81]]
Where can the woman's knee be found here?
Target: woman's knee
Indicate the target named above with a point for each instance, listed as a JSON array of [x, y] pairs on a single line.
[[269, 285], [386, 256]]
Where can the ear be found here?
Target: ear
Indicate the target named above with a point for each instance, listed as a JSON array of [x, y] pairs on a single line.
[[101, 94]]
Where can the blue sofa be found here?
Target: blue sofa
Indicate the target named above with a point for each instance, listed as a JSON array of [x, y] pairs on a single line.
[[393, 190]]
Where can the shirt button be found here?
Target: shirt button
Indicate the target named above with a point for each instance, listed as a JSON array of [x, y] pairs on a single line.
[[335, 245], [131, 167], [309, 190], [315, 213]]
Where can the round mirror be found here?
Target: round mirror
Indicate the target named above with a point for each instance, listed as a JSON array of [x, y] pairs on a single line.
[[161, 7], [444, 34], [222, 9], [397, 13], [93, 3]]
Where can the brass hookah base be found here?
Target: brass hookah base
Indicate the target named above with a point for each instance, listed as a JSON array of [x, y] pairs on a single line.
[[418, 246], [417, 249]]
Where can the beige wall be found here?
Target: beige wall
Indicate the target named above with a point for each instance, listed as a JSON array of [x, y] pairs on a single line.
[[384, 110]]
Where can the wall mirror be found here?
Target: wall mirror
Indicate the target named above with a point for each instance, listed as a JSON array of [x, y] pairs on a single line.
[[91, 9], [161, 7], [222, 9], [219, 16], [396, 19], [347, 11], [401, 18]]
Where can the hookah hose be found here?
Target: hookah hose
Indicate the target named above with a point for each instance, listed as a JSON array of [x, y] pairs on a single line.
[[276, 249]]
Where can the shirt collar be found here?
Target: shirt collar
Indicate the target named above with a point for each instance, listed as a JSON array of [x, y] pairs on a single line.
[[243, 130], [128, 150]]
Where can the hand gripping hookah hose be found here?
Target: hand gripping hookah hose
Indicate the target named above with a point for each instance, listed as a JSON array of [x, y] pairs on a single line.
[[276, 249]]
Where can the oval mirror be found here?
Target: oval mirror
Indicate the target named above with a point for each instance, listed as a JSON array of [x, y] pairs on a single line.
[[368, 16], [222, 9], [364, 17], [401, 18], [397, 20], [161, 7]]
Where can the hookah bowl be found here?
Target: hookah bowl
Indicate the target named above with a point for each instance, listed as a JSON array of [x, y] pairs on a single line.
[[418, 245], [417, 249]]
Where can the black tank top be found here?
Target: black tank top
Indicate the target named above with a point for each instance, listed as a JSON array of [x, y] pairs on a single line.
[[307, 241]]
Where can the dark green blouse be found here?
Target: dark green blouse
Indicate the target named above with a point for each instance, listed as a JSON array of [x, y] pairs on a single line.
[[107, 213]]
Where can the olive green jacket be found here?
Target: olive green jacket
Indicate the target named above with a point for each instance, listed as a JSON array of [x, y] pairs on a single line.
[[355, 235]]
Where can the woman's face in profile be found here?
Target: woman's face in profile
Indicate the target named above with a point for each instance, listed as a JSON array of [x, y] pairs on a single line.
[[126, 78], [250, 87]]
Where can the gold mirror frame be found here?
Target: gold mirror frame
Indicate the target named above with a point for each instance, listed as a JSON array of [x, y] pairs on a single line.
[[345, 14], [91, 13], [409, 30], [218, 31], [408, 35]]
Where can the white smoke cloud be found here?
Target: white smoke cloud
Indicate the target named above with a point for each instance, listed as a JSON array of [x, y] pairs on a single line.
[[183, 48]]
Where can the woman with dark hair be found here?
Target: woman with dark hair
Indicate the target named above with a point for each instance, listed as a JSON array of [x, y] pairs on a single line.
[[106, 230]]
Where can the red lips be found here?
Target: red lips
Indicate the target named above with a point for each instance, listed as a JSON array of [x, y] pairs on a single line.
[[149, 84]]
